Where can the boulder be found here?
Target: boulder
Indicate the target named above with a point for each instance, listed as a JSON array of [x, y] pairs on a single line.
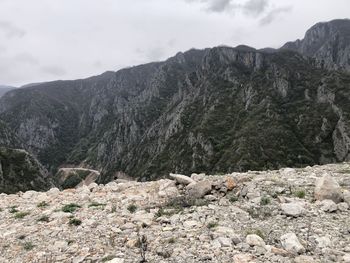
[[293, 209], [182, 179], [346, 196], [329, 206], [290, 242], [200, 189], [327, 188], [255, 240]]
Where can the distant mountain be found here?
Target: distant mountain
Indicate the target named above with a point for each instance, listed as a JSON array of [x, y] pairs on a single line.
[[214, 110], [328, 42], [4, 89]]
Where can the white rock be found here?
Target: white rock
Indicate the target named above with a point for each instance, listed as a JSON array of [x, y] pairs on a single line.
[[224, 241], [255, 240], [346, 196], [323, 242], [294, 209], [304, 259], [343, 206], [346, 258], [116, 260], [53, 192], [191, 223], [328, 206], [182, 179], [290, 242], [328, 188]]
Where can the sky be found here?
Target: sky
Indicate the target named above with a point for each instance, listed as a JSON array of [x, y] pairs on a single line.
[[43, 40]]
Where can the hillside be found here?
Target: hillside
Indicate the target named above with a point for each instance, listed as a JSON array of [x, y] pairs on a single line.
[[288, 215], [4, 89], [214, 110]]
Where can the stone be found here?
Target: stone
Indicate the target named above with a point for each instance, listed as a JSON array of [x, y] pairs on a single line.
[[294, 209], [328, 206], [255, 240], [243, 258], [224, 241], [182, 179], [304, 259], [346, 196], [343, 206], [230, 183], [328, 188], [116, 260], [323, 242], [290, 242], [280, 252], [200, 189], [346, 258]]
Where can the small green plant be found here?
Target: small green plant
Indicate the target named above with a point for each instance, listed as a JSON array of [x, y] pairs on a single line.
[[44, 218], [233, 199], [265, 200], [13, 209], [20, 215], [212, 225], [70, 208], [300, 193], [108, 258], [42, 204], [132, 208], [28, 246], [171, 240], [113, 209], [74, 222], [96, 205]]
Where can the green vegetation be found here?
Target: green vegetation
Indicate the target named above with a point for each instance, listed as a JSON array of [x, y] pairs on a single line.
[[42, 204], [44, 218], [28, 246], [265, 200], [132, 208], [212, 225], [13, 209], [75, 222], [233, 199], [108, 258], [300, 193], [70, 208], [20, 215]]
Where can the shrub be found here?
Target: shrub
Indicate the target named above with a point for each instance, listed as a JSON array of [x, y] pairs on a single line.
[[20, 215], [265, 200], [212, 225], [300, 193], [44, 219], [233, 199], [28, 246], [13, 209], [132, 208], [42, 204], [75, 222], [70, 208]]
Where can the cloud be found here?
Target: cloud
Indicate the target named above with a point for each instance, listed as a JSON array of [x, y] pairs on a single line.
[[54, 70], [255, 7], [216, 6], [10, 30], [273, 14], [26, 58]]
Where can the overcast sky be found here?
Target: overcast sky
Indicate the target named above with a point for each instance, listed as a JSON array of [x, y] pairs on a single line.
[[43, 40]]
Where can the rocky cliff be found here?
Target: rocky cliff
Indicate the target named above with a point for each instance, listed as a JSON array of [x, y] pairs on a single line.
[[288, 215], [328, 42], [221, 109], [19, 171]]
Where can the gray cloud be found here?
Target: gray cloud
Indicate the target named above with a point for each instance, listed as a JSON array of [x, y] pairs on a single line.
[[255, 7], [273, 14], [26, 58], [54, 71], [10, 30]]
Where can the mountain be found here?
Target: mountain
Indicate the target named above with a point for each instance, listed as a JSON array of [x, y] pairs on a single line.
[[221, 109], [328, 42], [19, 171], [4, 89]]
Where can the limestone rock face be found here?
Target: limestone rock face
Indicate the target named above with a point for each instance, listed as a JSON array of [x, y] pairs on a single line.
[[328, 188]]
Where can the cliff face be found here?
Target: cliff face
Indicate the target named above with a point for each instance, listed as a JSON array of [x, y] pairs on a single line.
[[221, 109], [328, 42], [19, 171]]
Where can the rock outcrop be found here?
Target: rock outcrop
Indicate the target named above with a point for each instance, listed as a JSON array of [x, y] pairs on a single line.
[[19, 171], [76, 177], [159, 221]]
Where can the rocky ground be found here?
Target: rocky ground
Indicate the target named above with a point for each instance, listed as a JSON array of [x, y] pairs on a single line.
[[289, 215]]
